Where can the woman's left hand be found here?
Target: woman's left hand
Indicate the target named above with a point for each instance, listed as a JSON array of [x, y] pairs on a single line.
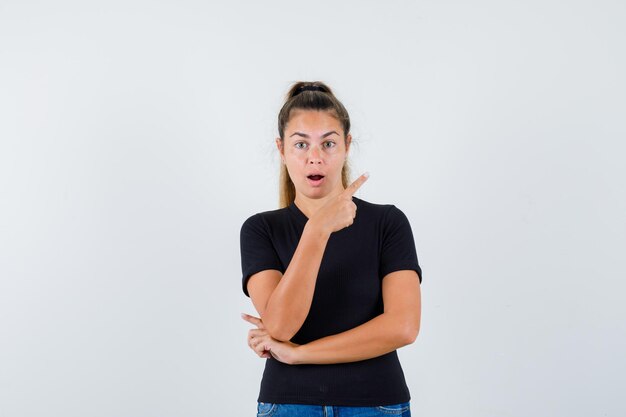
[[265, 345]]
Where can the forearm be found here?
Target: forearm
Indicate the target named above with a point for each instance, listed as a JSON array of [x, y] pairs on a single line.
[[289, 304], [383, 334]]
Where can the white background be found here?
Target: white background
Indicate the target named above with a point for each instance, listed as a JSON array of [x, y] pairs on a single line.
[[137, 136]]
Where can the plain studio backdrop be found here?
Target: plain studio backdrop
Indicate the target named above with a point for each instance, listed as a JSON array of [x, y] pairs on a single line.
[[137, 136]]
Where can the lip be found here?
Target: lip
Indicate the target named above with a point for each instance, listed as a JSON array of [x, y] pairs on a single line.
[[315, 183]]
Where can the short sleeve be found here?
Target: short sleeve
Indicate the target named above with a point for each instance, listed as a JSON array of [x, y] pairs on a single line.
[[257, 251], [398, 246]]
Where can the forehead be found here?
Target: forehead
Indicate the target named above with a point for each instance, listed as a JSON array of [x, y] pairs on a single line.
[[312, 122]]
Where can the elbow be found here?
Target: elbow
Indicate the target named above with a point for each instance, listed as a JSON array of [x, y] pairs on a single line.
[[281, 326], [279, 332], [409, 333], [282, 337]]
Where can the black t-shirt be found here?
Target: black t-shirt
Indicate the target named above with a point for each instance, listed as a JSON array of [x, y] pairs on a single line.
[[348, 293]]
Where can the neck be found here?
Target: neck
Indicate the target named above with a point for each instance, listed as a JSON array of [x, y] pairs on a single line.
[[309, 206]]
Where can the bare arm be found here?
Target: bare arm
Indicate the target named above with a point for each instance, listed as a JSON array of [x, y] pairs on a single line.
[[284, 302], [398, 326]]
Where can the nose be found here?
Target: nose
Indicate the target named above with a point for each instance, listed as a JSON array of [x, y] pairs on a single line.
[[314, 156]]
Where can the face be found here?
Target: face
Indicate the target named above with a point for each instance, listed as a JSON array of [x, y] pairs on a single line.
[[314, 151]]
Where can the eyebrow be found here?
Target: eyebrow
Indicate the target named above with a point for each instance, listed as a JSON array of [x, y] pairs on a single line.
[[304, 135]]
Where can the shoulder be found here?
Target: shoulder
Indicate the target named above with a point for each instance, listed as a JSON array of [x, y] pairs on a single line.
[[264, 219], [370, 207], [377, 210]]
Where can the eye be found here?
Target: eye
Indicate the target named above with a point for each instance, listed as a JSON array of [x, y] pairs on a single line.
[[300, 145], [329, 144]]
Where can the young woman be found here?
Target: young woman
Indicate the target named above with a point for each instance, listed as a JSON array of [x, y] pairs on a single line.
[[335, 279]]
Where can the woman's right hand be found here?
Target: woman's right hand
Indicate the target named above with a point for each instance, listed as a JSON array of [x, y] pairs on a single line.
[[339, 212]]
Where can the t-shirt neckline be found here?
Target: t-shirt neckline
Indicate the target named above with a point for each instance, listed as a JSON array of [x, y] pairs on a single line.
[[302, 218]]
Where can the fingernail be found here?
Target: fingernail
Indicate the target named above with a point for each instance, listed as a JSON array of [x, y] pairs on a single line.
[[366, 175]]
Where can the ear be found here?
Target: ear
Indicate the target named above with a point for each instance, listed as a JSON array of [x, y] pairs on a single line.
[[279, 146], [348, 142]]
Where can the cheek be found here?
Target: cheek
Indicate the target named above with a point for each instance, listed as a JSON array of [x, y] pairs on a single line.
[[293, 153], [296, 160], [337, 159]]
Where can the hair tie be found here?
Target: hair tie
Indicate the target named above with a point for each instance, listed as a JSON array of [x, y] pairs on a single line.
[[308, 88]]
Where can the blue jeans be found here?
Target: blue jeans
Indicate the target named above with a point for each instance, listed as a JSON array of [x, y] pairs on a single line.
[[304, 410]]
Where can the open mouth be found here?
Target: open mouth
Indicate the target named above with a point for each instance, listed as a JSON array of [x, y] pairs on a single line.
[[315, 180]]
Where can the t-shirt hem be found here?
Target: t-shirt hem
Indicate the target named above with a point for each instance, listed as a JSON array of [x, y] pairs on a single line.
[[398, 266], [343, 402], [254, 270]]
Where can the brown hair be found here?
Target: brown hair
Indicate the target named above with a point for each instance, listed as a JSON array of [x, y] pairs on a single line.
[[319, 97]]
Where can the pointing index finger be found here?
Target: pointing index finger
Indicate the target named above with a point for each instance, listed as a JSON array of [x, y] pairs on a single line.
[[352, 188], [251, 319]]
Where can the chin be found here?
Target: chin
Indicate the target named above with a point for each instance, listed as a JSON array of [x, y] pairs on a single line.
[[313, 193]]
